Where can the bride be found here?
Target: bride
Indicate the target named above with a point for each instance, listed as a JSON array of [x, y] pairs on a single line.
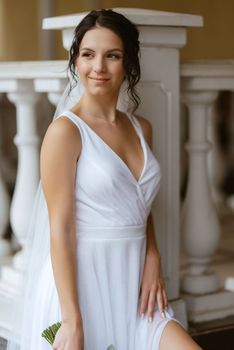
[[95, 264]]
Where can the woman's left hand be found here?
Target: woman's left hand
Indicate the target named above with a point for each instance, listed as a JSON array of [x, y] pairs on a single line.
[[152, 289]]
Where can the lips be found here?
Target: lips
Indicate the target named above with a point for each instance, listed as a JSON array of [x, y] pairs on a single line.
[[99, 79]]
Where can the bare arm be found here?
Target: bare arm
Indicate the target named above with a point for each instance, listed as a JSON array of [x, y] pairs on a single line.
[[59, 155]]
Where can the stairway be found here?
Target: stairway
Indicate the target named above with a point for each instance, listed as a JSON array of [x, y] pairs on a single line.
[[214, 335]]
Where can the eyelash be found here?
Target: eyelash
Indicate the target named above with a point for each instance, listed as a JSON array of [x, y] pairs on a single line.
[[111, 55], [86, 54]]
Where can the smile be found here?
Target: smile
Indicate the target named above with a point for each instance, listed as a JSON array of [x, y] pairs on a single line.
[[100, 80]]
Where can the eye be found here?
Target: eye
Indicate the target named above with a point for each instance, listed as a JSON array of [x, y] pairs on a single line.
[[86, 54], [114, 56]]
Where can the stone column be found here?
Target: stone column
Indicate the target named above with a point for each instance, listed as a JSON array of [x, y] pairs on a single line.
[[26, 141], [205, 298], [17, 79], [200, 224]]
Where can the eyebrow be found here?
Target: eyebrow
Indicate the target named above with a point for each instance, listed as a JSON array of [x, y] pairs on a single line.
[[87, 48]]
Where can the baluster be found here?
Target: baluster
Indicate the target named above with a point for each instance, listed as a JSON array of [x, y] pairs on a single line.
[[26, 141], [200, 224]]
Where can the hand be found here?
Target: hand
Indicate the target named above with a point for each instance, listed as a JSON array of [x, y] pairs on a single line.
[[152, 288], [70, 336]]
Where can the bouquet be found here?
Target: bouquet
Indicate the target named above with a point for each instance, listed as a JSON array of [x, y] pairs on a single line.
[[50, 332]]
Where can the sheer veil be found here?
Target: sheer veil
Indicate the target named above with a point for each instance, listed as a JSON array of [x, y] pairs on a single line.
[[38, 240], [37, 249]]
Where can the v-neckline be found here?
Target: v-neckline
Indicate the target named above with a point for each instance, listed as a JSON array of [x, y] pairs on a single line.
[[142, 143]]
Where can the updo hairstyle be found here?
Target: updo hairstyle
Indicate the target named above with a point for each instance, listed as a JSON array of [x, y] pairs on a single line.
[[129, 35]]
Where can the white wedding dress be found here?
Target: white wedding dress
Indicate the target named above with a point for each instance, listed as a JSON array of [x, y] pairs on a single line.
[[111, 213]]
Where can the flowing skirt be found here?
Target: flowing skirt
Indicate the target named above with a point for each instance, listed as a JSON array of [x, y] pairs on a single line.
[[110, 264]]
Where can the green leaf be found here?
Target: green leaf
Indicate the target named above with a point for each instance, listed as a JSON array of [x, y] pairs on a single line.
[[50, 332]]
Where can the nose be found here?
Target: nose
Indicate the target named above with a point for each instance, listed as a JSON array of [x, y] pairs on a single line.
[[99, 65]]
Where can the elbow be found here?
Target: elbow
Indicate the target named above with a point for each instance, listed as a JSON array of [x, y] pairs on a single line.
[[62, 228]]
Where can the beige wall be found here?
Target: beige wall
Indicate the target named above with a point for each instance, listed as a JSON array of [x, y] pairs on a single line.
[[19, 27], [19, 30]]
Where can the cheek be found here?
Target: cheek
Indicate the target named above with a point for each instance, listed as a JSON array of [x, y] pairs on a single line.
[[82, 67], [121, 74], [119, 71]]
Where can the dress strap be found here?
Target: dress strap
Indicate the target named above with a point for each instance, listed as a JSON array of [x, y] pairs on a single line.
[[75, 120], [136, 124], [70, 116]]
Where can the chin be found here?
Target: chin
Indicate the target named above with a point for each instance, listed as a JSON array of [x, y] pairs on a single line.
[[99, 92]]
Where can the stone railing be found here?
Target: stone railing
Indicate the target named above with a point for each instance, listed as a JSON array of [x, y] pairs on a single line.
[[23, 82], [200, 84]]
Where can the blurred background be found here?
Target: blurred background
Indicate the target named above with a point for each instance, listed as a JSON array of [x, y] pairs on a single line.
[[208, 53], [21, 36]]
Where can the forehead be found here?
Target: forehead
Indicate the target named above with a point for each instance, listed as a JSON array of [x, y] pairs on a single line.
[[101, 38]]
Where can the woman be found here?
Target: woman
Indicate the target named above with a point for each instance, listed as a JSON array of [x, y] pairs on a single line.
[[99, 178]]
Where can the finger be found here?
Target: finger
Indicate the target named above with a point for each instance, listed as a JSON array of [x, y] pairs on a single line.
[[143, 302], [151, 304], [165, 298], [160, 300]]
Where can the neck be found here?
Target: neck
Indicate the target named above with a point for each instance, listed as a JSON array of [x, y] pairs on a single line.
[[100, 107]]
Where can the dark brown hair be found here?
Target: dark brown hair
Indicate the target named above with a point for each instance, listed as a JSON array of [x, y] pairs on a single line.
[[129, 35]]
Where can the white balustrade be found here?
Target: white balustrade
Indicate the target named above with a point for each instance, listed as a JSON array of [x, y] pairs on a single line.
[[21, 81], [203, 293], [53, 87], [26, 141], [200, 225]]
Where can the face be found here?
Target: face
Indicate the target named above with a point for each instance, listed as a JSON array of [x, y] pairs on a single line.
[[100, 62]]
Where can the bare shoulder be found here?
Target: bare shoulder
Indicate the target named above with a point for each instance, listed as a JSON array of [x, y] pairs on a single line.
[[62, 133], [61, 147], [147, 128], [58, 164], [62, 127]]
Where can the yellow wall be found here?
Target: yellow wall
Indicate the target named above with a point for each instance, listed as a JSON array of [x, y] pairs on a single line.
[[19, 30], [213, 41]]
